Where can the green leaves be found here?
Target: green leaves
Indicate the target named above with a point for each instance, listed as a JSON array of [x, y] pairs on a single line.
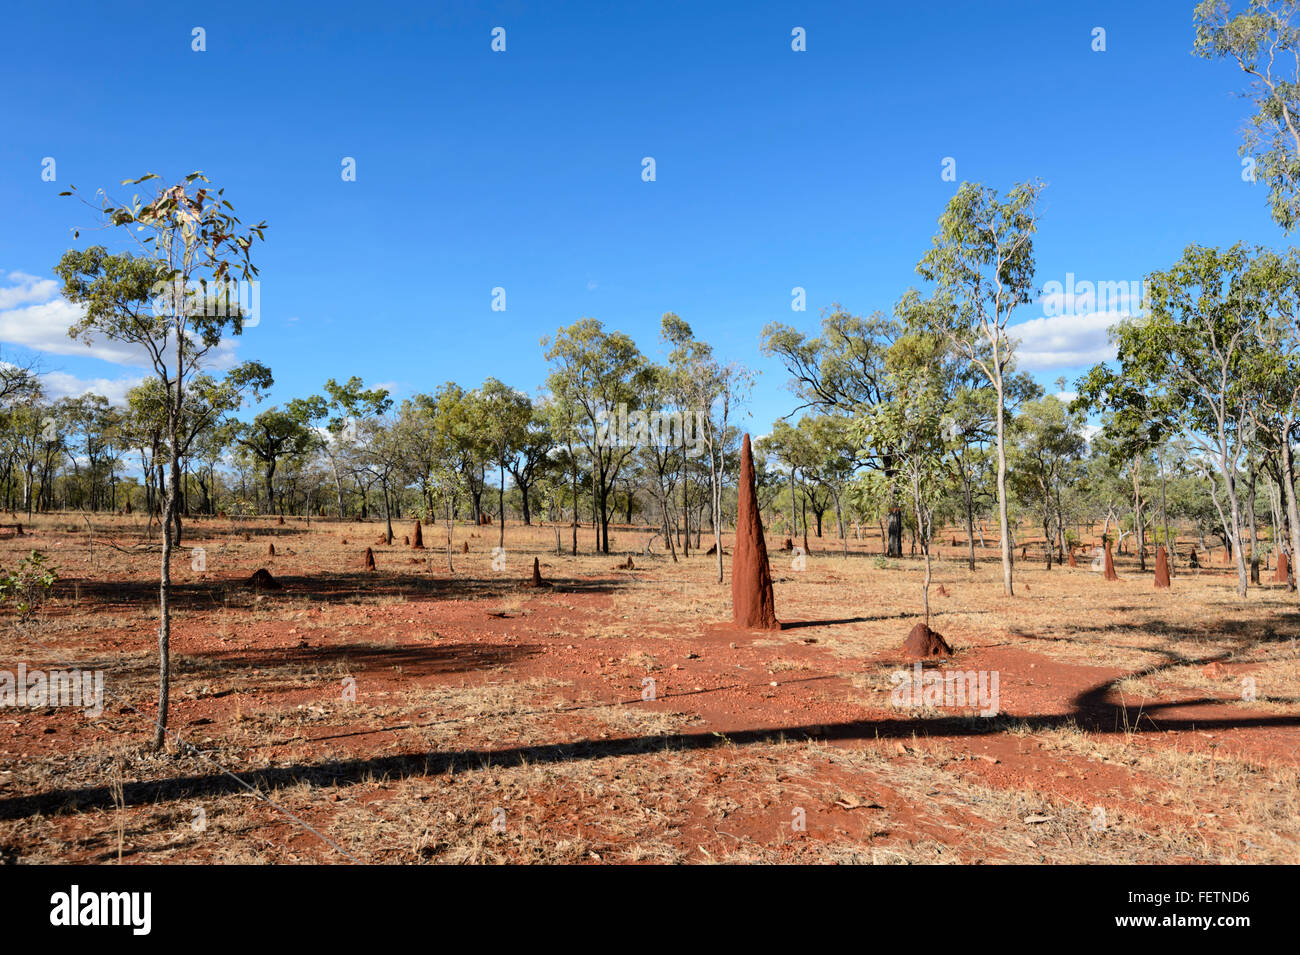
[[1264, 42], [28, 586]]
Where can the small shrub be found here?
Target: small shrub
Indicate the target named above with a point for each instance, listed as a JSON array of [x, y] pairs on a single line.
[[26, 588]]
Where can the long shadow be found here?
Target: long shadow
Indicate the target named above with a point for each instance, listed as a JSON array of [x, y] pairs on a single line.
[[404, 766], [414, 660], [1090, 710], [328, 588]]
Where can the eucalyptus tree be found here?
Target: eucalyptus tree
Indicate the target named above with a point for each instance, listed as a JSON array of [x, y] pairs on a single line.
[[1138, 418], [1273, 282], [1263, 39], [1047, 445], [506, 415], [279, 433], [843, 371], [1199, 346], [460, 428], [344, 406], [527, 464], [981, 262], [602, 375], [711, 392], [157, 300], [911, 424]]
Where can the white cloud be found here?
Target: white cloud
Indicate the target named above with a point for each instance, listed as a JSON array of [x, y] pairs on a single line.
[[33, 315], [28, 289], [59, 384], [1064, 341]]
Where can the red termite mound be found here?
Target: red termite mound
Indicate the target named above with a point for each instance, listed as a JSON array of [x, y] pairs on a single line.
[[537, 575], [1281, 575], [263, 580], [752, 604], [1162, 567], [1073, 563], [417, 539], [370, 559], [924, 644], [281, 520], [127, 509], [270, 550], [464, 547], [1109, 567]]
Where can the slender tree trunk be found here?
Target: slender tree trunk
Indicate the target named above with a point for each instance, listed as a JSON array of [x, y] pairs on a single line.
[[1003, 523], [1288, 491]]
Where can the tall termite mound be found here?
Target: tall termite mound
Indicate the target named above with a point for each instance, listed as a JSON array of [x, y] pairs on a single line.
[[1162, 567], [752, 604]]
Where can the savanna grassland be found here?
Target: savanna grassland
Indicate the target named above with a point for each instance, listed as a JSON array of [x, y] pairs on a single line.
[[440, 710]]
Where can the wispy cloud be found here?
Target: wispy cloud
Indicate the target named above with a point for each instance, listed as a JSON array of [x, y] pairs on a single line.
[[59, 384], [35, 316], [1064, 341]]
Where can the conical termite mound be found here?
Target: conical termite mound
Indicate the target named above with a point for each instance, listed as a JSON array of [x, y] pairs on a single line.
[[752, 605], [417, 537], [370, 559], [262, 580], [1281, 575], [536, 580], [1162, 567], [924, 644], [1108, 567], [270, 550]]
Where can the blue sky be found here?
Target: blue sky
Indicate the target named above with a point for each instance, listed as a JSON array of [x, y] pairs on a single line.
[[522, 169]]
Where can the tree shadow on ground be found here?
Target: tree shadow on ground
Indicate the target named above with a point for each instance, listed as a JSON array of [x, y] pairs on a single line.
[[414, 660], [325, 588], [1090, 711]]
